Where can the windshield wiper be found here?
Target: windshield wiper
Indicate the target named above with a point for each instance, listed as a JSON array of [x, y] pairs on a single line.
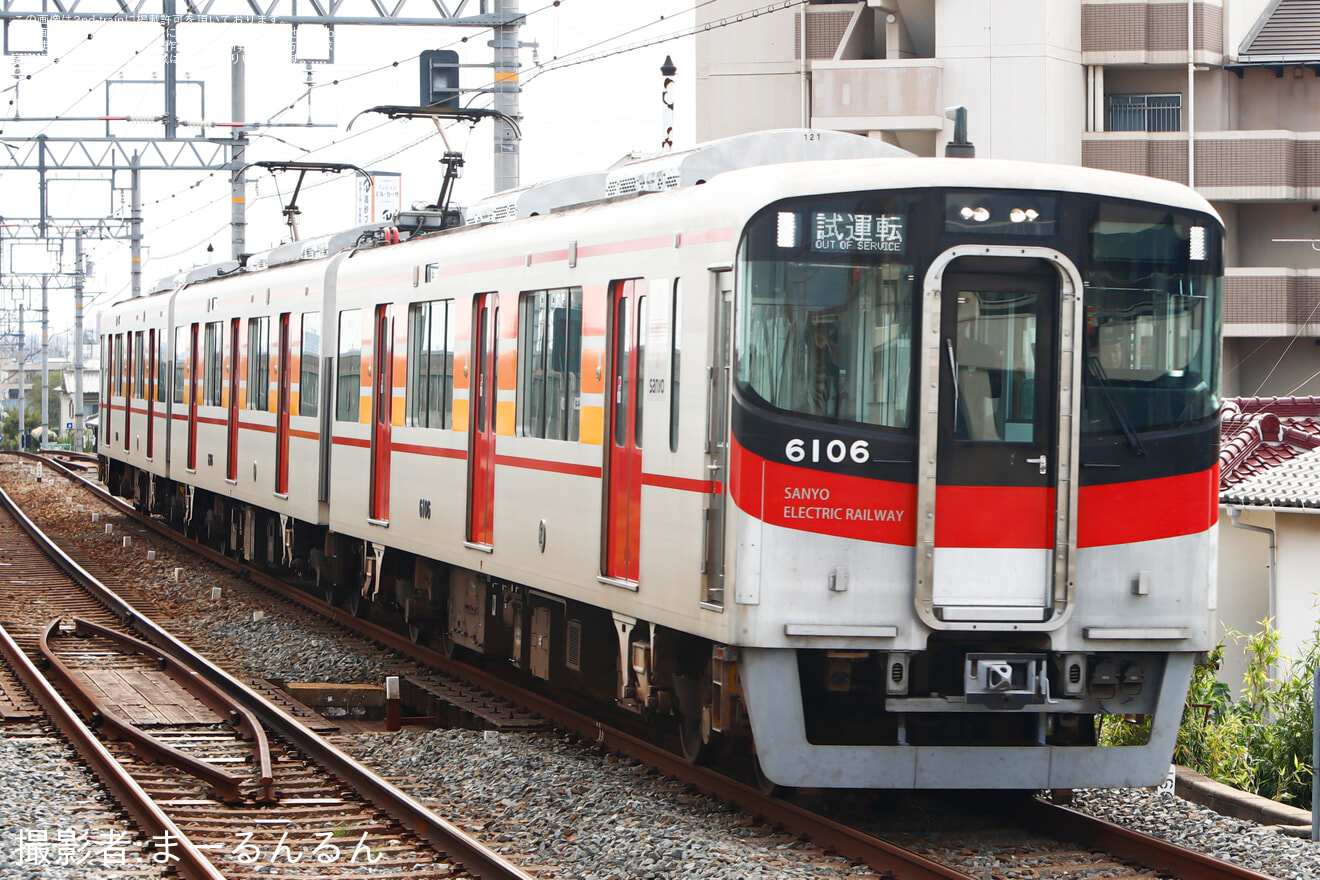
[[1120, 414]]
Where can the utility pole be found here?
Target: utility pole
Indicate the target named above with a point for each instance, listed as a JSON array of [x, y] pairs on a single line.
[[22, 378], [79, 422], [171, 70], [135, 224], [45, 363], [237, 154], [506, 93]]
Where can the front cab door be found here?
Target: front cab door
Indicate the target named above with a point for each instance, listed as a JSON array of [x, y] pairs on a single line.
[[997, 499]]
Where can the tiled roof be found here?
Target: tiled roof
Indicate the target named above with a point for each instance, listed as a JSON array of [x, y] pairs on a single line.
[[1287, 31], [1270, 452]]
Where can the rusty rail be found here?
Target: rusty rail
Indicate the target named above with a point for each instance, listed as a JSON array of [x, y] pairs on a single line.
[[206, 693], [472, 855], [224, 785], [192, 864], [1150, 852], [858, 845]]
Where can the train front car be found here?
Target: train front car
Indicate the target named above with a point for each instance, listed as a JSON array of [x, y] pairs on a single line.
[[974, 445]]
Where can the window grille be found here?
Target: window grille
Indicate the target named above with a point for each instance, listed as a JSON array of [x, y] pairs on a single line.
[[1145, 113]]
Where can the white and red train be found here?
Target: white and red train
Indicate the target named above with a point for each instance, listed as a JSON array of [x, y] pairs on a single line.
[[899, 471]]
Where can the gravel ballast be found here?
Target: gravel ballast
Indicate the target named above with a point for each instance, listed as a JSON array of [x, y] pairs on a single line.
[[555, 800]]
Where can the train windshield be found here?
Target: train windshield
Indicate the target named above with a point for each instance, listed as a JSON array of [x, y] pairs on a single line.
[[827, 310], [828, 304], [1153, 301]]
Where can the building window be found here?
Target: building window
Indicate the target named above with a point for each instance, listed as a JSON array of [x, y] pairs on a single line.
[[349, 399], [431, 363], [258, 372], [1145, 113], [550, 368], [309, 361], [213, 375]]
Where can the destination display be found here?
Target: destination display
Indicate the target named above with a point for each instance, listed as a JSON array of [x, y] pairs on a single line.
[[839, 232]]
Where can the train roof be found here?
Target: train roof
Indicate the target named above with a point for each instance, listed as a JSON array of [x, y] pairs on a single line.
[[758, 187], [747, 169], [635, 174]]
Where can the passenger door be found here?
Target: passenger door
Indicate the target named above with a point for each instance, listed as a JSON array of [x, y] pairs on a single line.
[[194, 389], [382, 409], [128, 392], [231, 460], [623, 441], [481, 433], [284, 385], [153, 368]]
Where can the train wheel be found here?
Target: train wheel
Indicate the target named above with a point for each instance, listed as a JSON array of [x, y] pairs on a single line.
[[765, 784], [415, 617], [358, 605], [696, 750]]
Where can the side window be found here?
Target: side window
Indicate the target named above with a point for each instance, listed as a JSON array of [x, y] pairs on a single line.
[[550, 363], [157, 394], [213, 369], [309, 358], [180, 362], [118, 378], [258, 364], [139, 366], [431, 364], [348, 386], [105, 366], [675, 349]]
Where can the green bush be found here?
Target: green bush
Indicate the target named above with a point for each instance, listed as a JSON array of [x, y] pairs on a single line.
[[1259, 743]]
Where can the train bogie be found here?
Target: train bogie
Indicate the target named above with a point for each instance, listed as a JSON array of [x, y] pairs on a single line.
[[898, 472]]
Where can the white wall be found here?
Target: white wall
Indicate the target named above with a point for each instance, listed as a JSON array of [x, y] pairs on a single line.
[[1243, 588], [1244, 584], [1016, 66], [1298, 579]]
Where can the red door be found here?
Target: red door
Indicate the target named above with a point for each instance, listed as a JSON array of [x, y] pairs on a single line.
[[282, 412], [382, 410], [128, 390], [623, 444], [481, 456], [153, 364], [231, 465], [194, 383]]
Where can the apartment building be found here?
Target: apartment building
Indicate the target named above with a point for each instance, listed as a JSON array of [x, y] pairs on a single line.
[[1223, 95]]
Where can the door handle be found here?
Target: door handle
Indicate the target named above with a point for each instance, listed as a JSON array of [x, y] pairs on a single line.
[[1042, 461]]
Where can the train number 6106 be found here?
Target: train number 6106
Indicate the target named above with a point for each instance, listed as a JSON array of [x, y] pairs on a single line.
[[834, 451]]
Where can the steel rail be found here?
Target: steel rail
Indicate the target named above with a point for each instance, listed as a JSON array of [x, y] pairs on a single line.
[[1059, 821], [443, 835], [192, 863], [223, 784], [238, 715], [834, 836], [1150, 852]]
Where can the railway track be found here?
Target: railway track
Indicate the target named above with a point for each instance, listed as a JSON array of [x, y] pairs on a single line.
[[186, 755], [1044, 840]]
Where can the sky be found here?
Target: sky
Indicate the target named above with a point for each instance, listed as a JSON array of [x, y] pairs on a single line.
[[575, 118]]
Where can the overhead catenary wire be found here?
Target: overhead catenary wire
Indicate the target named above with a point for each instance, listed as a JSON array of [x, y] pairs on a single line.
[[573, 58]]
